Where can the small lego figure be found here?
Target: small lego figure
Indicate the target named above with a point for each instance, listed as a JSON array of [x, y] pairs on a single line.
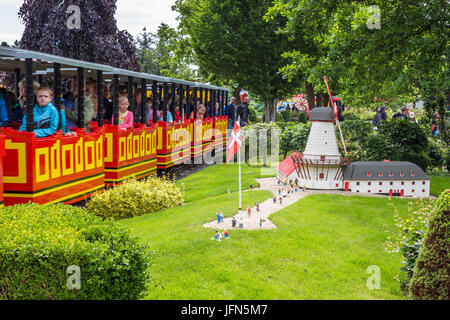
[[257, 206], [249, 211]]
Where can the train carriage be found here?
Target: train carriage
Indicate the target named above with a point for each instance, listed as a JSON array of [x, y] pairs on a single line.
[[70, 168]]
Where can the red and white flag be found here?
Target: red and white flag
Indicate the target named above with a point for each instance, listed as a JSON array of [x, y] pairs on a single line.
[[235, 142]]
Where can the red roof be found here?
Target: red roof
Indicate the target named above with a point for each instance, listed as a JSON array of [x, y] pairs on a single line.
[[288, 166]]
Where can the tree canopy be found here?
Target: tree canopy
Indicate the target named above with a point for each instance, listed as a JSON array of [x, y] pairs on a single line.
[[407, 56], [232, 40], [97, 40]]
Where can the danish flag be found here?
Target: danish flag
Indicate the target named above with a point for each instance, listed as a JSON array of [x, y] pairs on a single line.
[[235, 142]]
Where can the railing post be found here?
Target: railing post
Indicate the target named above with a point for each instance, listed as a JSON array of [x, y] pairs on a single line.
[[80, 78], [100, 113], [16, 81], [116, 99], [155, 101], [165, 93], [143, 101], [57, 90], [30, 94]]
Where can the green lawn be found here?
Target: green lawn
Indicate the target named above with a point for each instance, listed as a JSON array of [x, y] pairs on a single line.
[[216, 180], [439, 184], [321, 249]]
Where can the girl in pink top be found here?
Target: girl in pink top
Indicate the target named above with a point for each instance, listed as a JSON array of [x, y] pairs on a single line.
[[126, 118]]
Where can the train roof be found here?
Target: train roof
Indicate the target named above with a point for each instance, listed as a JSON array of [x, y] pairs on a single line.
[[43, 63]]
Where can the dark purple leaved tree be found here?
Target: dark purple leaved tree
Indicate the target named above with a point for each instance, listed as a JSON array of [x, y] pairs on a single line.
[[53, 27]]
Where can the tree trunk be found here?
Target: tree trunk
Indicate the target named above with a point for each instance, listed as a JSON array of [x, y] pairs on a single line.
[[310, 95], [237, 95]]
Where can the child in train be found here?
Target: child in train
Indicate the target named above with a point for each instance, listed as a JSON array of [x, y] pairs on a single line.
[[125, 116], [46, 117]]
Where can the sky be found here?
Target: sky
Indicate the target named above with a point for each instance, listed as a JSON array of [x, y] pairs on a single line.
[[131, 15]]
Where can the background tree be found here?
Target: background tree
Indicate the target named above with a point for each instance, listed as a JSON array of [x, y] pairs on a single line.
[[405, 58], [231, 40], [166, 53], [98, 40]]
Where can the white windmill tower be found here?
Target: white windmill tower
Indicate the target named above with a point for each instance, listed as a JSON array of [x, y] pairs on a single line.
[[321, 165]]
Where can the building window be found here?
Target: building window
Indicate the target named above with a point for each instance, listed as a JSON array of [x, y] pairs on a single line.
[[413, 183], [369, 174], [413, 191], [412, 174], [391, 183], [368, 191], [357, 183], [379, 191], [381, 183], [357, 190], [423, 191], [390, 174], [401, 174], [321, 175], [381, 174], [423, 183], [403, 183], [337, 185], [369, 183], [322, 158]]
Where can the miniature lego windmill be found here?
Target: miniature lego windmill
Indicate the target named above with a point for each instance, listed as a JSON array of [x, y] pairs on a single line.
[[321, 165]]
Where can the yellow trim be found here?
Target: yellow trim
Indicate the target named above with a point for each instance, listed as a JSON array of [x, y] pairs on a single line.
[[99, 152], [89, 145], [79, 156], [39, 175], [55, 166], [21, 158], [35, 195], [70, 170], [130, 167], [109, 147]]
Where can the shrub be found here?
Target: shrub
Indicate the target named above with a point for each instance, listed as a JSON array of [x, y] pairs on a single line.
[[431, 279], [136, 198], [252, 116], [39, 243], [409, 234]]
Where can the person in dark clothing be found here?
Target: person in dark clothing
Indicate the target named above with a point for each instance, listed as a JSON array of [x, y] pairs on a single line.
[[242, 112], [230, 113], [340, 108], [403, 114], [7, 100]]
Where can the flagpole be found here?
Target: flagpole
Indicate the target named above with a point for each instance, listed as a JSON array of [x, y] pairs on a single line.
[[240, 184]]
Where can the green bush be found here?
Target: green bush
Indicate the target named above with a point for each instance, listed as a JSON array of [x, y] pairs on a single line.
[[303, 117], [39, 243], [252, 116], [431, 278], [408, 235], [136, 198]]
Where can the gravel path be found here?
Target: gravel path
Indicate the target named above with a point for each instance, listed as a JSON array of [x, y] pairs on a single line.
[[268, 207]]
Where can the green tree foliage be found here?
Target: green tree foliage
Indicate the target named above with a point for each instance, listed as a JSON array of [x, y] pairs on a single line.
[[166, 53], [232, 40], [431, 278], [294, 138], [407, 56]]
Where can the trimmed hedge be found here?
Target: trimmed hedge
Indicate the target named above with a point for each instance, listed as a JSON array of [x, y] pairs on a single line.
[[136, 198], [431, 278], [39, 243]]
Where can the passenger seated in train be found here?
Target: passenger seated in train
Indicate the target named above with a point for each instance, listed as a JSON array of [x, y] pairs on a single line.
[[201, 110], [7, 101], [70, 106], [161, 114], [137, 112], [46, 117], [150, 110], [125, 116]]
